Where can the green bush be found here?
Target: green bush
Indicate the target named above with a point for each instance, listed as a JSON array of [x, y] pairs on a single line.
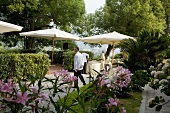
[[58, 56], [3, 51], [68, 60], [23, 66], [140, 78]]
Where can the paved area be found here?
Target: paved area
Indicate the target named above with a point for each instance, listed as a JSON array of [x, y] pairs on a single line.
[[148, 93]]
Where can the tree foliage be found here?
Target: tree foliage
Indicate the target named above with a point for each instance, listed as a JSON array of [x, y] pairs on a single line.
[[36, 14], [133, 16], [166, 5], [130, 17], [145, 50]]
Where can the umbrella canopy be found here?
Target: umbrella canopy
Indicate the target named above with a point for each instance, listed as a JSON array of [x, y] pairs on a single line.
[[52, 34], [109, 38], [7, 27]]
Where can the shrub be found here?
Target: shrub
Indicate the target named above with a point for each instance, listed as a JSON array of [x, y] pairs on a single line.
[[22, 66], [140, 78], [161, 80], [3, 51], [144, 50], [68, 60], [30, 97], [58, 56]]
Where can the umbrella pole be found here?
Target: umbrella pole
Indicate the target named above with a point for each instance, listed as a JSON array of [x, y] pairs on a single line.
[[113, 53], [53, 51]]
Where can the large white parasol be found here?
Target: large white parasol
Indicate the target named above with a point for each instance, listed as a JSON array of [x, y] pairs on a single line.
[[8, 27], [51, 34]]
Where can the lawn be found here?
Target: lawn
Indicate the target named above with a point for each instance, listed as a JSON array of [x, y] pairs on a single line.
[[131, 104]]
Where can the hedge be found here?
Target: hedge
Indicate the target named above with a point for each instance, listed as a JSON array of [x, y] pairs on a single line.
[[23, 66], [69, 59], [4, 51], [58, 56]]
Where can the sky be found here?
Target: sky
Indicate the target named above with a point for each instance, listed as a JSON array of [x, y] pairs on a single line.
[[92, 5]]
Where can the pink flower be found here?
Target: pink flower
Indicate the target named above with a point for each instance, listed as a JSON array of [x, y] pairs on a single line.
[[123, 110], [95, 91], [7, 88], [34, 89], [22, 98], [74, 78], [42, 97], [113, 101]]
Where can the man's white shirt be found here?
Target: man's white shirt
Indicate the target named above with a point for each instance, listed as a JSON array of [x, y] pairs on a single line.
[[85, 56], [78, 61]]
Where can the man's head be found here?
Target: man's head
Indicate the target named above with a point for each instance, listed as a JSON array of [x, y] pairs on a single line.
[[76, 49]]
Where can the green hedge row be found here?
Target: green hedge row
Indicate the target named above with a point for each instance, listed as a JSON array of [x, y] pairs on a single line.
[[17, 51], [58, 56], [23, 66], [68, 60]]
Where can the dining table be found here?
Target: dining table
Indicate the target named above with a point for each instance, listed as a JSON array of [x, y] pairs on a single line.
[[93, 65]]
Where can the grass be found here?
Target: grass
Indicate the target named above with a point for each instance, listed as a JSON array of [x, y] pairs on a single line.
[[131, 104]]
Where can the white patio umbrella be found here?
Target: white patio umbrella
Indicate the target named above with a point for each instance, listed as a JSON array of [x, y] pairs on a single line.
[[51, 34], [8, 27], [109, 38]]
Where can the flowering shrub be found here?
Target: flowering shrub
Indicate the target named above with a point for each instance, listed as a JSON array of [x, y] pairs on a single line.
[[139, 79], [161, 79], [43, 95], [105, 88], [22, 96]]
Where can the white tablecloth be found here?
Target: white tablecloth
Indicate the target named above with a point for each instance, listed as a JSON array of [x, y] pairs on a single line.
[[93, 65]]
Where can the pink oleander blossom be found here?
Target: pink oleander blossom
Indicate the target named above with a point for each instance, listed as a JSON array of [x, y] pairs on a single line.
[[65, 76], [112, 102], [7, 88], [121, 77], [42, 97], [34, 89], [22, 98], [123, 110]]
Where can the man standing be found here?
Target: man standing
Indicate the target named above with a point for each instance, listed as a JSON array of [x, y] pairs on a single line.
[[78, 66], [85, 56]]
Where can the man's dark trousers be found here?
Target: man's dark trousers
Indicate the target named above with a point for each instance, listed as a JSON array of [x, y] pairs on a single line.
[[78, 74]]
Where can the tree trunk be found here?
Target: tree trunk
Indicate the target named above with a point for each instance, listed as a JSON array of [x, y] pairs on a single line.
[[30, 41], [110, 47]]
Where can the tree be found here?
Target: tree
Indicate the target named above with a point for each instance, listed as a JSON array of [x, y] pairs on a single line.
[[36, 14], [130, 17], [145, 50], [166, 5]]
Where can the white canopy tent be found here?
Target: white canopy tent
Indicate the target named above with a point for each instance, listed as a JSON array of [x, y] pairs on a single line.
[[108, 38], [8, 27], [51, 34]]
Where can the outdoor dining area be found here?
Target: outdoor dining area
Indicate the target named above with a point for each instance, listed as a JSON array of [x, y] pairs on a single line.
[[103, 67]]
